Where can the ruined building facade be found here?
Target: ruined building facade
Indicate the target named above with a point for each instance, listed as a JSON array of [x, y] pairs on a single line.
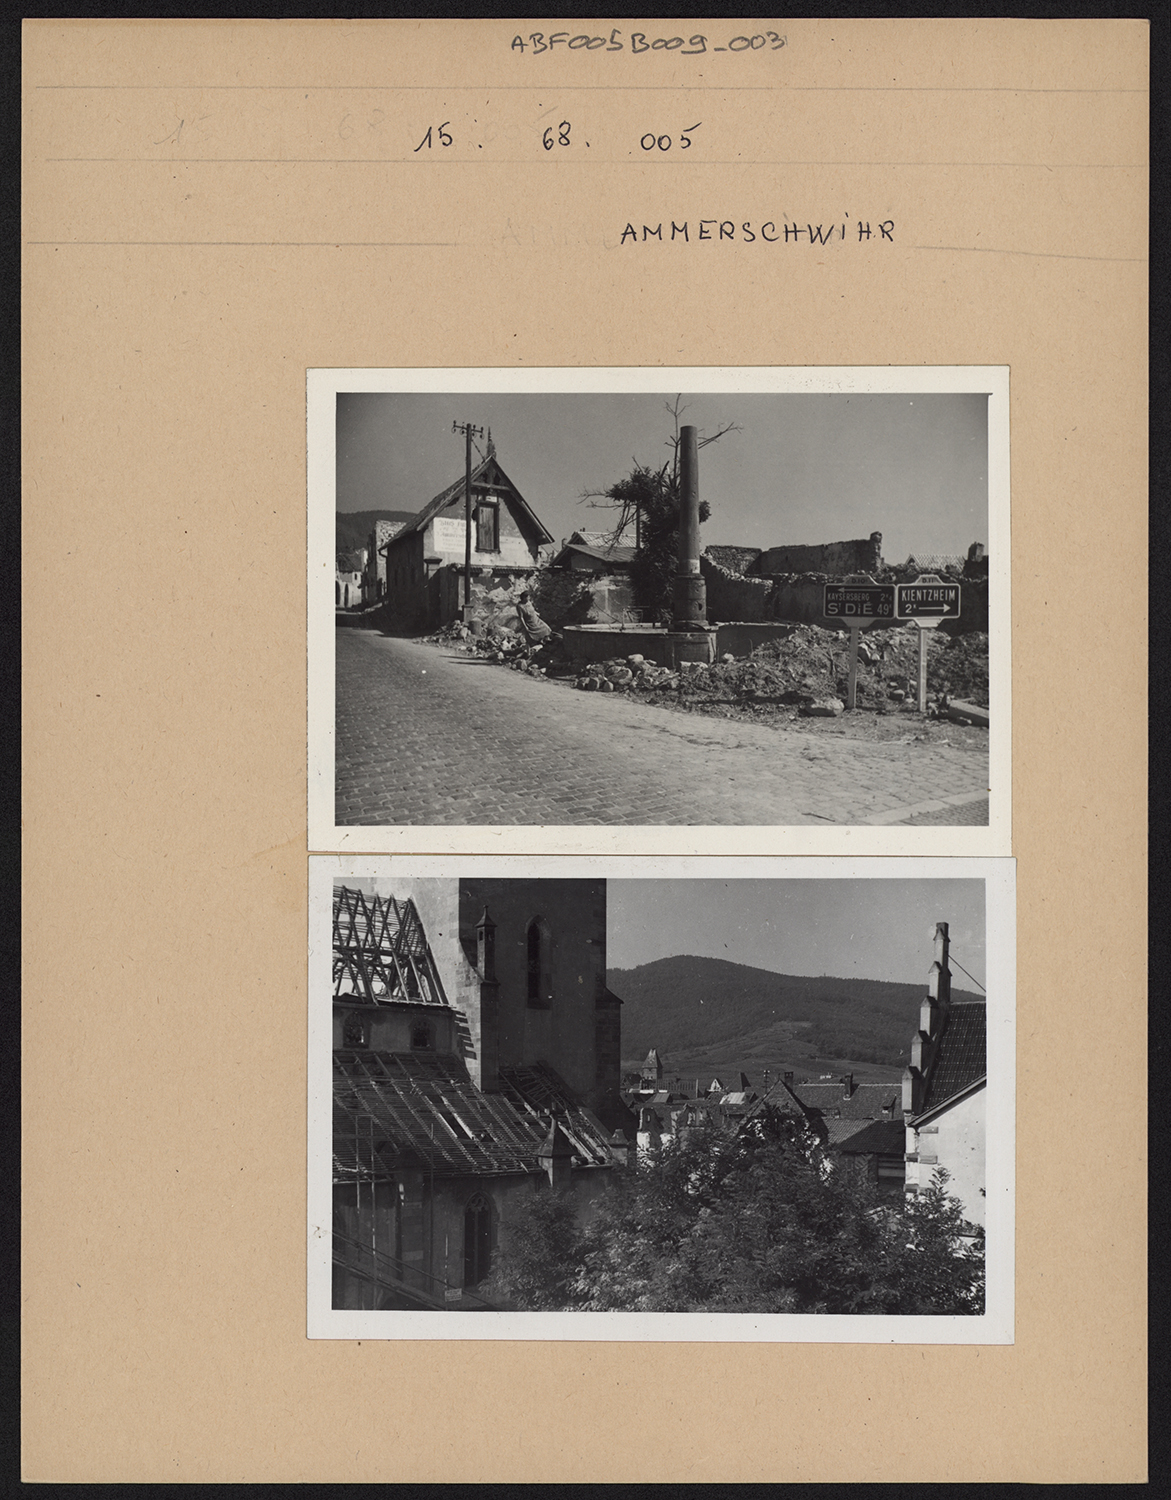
[[476, 1061]]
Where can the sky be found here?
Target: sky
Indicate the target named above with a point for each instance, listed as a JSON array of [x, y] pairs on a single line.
[[805, 468], [850, 929]]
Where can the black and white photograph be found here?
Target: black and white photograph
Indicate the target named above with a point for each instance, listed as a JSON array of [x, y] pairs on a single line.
[[681, 605], [584, 1098]]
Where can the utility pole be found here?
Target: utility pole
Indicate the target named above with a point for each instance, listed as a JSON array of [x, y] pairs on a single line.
[[469, 433]]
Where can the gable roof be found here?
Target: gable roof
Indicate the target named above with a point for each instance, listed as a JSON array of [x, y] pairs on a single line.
[[961, 1058], [380, 951], [455, 492]]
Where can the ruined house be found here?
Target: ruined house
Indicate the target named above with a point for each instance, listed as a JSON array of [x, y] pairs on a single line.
[[348, 584], [424, 561], [475, 1062]]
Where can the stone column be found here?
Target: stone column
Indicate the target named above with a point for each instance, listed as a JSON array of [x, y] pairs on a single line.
[[690, 596]]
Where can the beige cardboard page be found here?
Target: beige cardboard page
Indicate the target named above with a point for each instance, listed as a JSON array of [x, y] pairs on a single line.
[[212, 209]]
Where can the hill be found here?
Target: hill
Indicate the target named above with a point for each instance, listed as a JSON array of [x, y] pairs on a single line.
[[354, 526], [709, 1014]]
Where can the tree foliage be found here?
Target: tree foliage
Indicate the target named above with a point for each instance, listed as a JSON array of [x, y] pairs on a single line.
[[647, 504], [760, 1221]]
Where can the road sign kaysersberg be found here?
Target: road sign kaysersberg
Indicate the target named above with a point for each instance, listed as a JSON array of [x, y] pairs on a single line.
[[855, 602], [929, 597]]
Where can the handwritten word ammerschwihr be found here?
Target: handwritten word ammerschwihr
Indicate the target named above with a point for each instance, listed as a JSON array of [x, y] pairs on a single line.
[[771, 233]]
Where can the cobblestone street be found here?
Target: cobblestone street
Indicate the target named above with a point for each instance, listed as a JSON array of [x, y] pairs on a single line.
[[425, 735]]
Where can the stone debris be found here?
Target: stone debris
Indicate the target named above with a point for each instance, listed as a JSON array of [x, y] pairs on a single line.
[[804, 672]]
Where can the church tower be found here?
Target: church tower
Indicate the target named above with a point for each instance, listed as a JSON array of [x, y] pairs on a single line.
[[539, 950]]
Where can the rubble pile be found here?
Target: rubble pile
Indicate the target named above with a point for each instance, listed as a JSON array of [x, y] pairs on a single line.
[[492, 643], [803, 673], [806, 671]]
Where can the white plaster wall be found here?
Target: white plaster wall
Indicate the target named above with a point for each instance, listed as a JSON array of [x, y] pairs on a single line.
[[958, 1144], [447, 542]]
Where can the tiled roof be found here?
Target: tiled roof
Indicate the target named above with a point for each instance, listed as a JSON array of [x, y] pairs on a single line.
[[837, 1132], [962, 1056], [936, 560], [865, 1102], [614, 557], [879, 1137], [394, 1110]]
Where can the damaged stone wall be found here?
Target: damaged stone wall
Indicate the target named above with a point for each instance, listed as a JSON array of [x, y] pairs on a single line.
[[798, 597], [564, 597], [826, 557]]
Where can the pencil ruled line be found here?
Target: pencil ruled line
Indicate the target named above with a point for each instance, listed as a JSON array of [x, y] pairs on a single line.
[[273, 244], [575, 88], [1130, 260], [356, 161]]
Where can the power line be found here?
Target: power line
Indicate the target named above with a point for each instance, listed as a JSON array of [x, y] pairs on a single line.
[[960, 967]]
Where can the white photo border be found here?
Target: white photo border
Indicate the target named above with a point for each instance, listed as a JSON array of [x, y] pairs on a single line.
[[322, 388], [994, 1326]]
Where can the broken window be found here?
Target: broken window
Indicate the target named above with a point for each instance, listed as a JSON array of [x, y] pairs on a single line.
[[422, 1039], [353, 1031]]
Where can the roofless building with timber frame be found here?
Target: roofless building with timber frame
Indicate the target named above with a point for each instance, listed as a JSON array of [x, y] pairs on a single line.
[[475, 1061]]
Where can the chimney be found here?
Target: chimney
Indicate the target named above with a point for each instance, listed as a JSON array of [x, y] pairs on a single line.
[[555, 1156], [847, 1082], [912, 1081], [787, 1076]]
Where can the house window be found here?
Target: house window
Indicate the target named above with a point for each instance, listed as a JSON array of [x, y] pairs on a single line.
[[477, 1239], [539, 989], [353, 1031], [422, 1039], [487, 526]]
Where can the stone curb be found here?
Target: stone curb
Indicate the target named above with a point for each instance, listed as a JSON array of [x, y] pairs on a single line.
[[897, 815]]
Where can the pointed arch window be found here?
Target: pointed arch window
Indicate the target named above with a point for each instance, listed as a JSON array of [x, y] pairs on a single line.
[[477, 1239], [539, 984]]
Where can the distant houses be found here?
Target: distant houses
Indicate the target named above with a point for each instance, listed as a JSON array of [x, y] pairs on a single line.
[[898, 1134]]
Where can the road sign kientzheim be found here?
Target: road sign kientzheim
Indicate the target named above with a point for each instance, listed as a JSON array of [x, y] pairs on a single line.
[[929, 597]]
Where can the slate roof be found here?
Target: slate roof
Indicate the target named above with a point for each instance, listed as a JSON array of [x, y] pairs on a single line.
[[455, 492], [396, 1110], [962, 1057]]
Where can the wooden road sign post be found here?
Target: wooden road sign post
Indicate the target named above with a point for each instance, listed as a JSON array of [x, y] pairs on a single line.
[[858, 603], [927, 601]]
